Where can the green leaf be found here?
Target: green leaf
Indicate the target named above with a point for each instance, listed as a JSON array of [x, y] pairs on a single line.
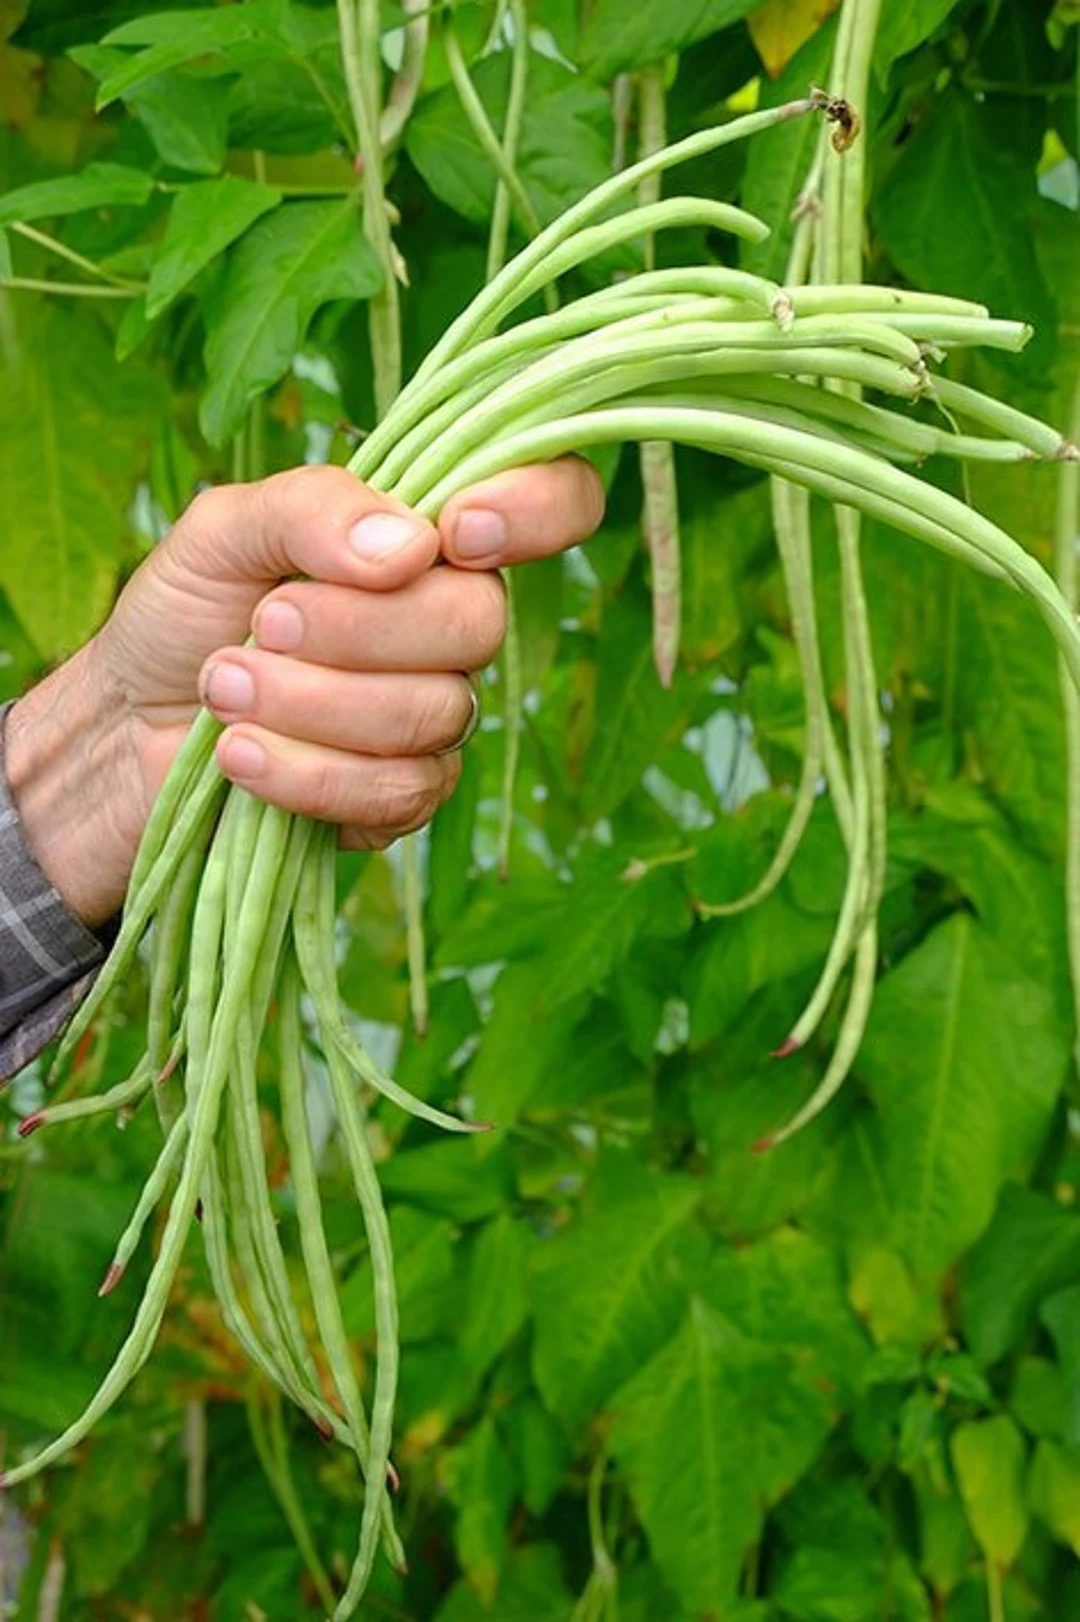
[[172, 39], [565, 140], [608, 1293], [451, 1178], [603, 913], [1031, 1248], [902, 28], [1037, 1398], [284, 269], [186, 119], [942, 218], [975, 1103], [541, 1452], [99, 185], [788, 1291], [617, 38], [5, 256], [637, 719], [522, 1044], [945, 1543], [75, 434], [988, 1457], [710, 1432], [1054, 1491], [849, 1585], [721, 542], [482, 1483], [497, 1302], [426, 1258], [1061, 1315], [531, 1590]]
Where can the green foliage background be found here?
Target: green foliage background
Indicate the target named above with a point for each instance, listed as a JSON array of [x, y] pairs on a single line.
[[837, 1383]]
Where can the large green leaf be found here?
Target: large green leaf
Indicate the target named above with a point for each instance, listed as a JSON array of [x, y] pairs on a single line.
[[565, 141], [170, 39], [940, 218], [710, 1432], [971, 1102], [902, 28], [608, 1293], [618, 38], [75, 434], [286, 268], [788, 1292]]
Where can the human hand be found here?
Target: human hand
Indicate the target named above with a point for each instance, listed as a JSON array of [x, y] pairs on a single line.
[[344, 707]]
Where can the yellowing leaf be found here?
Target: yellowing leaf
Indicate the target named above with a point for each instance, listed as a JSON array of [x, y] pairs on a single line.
[[779, 27], [988, 1457]]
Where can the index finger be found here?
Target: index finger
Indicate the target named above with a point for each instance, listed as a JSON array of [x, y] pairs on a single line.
[[515, 517]]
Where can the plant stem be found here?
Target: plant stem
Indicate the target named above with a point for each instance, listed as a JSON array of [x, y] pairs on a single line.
[[61, 249], [195, 1454], [359, 27], [271, 1447], [33, 284], [513, 695], [660, 504], [409, 77], [1067, 536], [515, 117]]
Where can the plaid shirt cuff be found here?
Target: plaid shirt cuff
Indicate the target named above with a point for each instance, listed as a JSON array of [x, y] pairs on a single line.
[[47, 957]]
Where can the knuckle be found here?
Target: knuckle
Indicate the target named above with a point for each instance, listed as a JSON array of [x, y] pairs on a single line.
[[447, 713], [491, 614], [325, 794], [477, 616], [406, 801], [211, 507]]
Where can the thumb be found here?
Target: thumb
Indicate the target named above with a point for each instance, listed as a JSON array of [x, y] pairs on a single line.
[[316, 521], [516, 517]]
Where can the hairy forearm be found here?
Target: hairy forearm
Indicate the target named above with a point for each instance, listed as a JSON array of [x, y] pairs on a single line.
[[76, 785]]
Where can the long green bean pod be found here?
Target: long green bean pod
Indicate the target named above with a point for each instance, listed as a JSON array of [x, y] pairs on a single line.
[[238, 898]]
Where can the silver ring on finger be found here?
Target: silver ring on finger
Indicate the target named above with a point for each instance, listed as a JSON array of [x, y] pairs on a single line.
[[472, 725]]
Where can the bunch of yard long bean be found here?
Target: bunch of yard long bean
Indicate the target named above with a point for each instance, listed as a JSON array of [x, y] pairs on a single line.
[[238, 898]]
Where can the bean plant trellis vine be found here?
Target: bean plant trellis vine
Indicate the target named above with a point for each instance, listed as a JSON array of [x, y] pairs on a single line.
[[237, 898]]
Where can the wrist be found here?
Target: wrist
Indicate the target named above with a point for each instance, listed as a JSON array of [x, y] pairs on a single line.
[[75, 782]]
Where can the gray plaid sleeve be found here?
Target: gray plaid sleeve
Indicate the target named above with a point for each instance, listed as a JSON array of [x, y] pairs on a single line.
[[47, 957]]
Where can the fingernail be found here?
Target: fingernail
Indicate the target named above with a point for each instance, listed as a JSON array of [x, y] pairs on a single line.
[[479, 534], [243, 757], [279, 627], [229, 689], [380, 535]]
